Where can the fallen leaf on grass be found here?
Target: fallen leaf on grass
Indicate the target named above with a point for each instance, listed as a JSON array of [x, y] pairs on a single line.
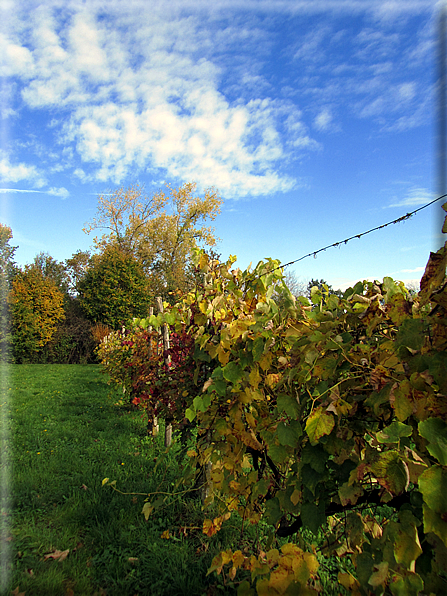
[[58, 554], [165, 535], [132, 559], [84, 487], [29, 572], [69, 592], [17, 593]]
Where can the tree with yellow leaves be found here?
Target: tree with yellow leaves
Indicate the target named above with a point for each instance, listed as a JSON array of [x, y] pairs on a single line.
[[159, 231], [37, 309]]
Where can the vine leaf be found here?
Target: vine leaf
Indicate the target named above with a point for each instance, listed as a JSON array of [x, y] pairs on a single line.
[[289, 434], [433, 486], [318, 424], [435, 431], [394, 432], [408, 585], [391, 472], [407, 547]]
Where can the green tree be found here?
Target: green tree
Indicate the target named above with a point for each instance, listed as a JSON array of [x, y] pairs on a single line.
[[8, 270], [76, 267], [321, 285], [52, 269], [114, 288], [159, 231], [36, 309]]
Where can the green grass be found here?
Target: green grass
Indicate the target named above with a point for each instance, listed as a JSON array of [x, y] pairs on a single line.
[[66, 437]]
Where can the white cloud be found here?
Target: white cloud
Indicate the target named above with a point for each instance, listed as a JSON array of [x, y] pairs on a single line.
[[59, 192], [323, 120], [181, 88], [417, 270], [414, 198], [16, 172]]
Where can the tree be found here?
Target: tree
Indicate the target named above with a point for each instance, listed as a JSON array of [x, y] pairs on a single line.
[[159, 231], [320, 285], [114, 288], [50, 268], [76, 267], [8, 270], [37, 309]]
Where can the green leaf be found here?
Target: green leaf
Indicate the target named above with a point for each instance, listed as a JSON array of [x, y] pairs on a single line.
[[315, 456], [391, 472], [170, 318], [273, 512], [244, 589], [258, 348], [310, 355], [433, 486], [433, 522], [190, 414], [435, 431], [233, 372], [394, 432], [407, 547], [154, 321], [411, 334], [310, 477], [318, 424], [312, 516], [278, 453], [288, 435], [409, 585], [289, 405]]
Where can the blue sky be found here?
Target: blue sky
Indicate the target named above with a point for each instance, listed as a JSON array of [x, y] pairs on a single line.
[[315, 120]]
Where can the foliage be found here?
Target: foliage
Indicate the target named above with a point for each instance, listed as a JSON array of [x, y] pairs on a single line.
[[73, 341], [76, 267], [317, 413], [50, 268], [113, 289], [152, 378], [36, 309], [7, 272], [321, 284], [160, 231]]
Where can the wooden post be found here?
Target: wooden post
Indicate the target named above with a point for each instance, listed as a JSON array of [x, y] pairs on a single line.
[[152, 427], [168, 428]]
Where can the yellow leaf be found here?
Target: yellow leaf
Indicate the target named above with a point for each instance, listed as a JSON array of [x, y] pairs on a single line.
[[238, 559], [280, 580], [58, 554], [147, 510], [166, 535], [105, 481], [254, 377], [295, 497]]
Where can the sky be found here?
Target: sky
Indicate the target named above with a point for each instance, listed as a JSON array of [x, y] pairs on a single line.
[[314, 119]]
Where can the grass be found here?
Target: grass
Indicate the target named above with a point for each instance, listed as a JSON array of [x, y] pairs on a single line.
[[67, 436]]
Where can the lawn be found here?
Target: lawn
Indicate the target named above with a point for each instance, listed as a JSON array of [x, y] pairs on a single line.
[[65, 534], [66, 435]]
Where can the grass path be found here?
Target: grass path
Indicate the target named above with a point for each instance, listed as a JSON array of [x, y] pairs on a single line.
[[66, 437]]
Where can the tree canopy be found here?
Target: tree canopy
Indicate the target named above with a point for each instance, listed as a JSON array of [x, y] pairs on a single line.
[[114, 288], [160, 231]]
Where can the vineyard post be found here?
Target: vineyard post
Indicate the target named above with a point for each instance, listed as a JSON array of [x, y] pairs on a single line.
[[168, 427], [152, 426]]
